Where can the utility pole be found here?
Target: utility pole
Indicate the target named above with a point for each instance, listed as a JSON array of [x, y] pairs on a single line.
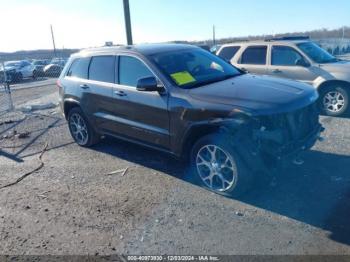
[[53, 41], [127, 21], [214, 41]]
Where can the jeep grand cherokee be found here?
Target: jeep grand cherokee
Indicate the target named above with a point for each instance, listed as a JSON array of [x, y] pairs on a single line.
[[190, 103]]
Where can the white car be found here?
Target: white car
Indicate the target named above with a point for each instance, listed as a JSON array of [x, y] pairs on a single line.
[[296, 58], [20, 70]]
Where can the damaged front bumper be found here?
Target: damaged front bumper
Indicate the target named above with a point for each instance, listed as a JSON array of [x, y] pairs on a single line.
[[272, 142], [281, 139]]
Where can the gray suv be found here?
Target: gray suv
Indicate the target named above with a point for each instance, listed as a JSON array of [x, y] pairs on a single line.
[[299, 59], [187, 102]]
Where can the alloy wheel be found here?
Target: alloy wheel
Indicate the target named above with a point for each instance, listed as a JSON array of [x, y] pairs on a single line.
[[334, 101], [216, 168], [79, 129]]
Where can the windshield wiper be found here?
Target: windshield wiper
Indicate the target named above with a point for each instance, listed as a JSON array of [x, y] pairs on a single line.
[[215, 80]]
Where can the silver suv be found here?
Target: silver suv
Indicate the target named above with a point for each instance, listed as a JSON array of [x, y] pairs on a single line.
[[300, 59]]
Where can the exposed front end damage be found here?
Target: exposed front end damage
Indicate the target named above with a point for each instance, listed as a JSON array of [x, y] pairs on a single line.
[[267, 142]]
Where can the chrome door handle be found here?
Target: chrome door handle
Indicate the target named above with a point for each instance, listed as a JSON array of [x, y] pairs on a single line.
[[277, 71], [120, 93], [84, 86]]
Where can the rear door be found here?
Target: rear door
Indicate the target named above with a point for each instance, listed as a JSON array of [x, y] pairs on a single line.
[[287, 62], [254, 59], [100, 84], [141, 116], [74, 82]]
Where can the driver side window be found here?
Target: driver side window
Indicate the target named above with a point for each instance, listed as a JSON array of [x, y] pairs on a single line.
[[131, 70], [285, 56]]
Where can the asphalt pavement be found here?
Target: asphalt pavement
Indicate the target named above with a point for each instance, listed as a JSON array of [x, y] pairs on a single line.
[[72, 206]]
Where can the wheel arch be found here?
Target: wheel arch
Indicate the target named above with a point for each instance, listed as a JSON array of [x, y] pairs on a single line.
[[329, 83], [196, 131], [68, 105]]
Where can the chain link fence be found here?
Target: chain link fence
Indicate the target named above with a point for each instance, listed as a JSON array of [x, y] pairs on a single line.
[[28, 69], [6, 104], [25, 67], [28, 100]]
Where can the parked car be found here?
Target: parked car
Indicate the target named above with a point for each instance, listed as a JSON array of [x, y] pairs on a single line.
[[10, 75], [59, 61], [18, 70], [215, 48], [300, 59], [185, 101], [52, 70], [39, 67], [205, 47]]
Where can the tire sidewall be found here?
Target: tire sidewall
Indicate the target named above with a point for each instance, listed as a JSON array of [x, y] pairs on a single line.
[[243, 176], [344, 92]]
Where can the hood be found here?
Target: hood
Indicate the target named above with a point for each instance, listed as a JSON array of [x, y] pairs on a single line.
[[337, 67], [259, 95]]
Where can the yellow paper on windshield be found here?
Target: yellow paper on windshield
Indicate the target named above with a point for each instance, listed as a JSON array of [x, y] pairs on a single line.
[[183, 78]]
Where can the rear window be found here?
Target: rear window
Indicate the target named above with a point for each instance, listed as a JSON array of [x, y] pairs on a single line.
[[79, 68], [254, 55], [228, 52], [102, 68]]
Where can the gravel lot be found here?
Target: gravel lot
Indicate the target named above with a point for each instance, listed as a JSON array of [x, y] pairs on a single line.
[[71, 205]]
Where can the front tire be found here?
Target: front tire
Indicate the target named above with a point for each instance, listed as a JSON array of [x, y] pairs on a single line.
[[334, 101], [19, 78], [80, 129], [216, 165]]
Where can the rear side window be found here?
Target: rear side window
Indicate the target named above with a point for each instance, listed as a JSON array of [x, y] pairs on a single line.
[[284, 56], [102, 68], [228, 52], [131, 70], [79, 68], [254, 55]]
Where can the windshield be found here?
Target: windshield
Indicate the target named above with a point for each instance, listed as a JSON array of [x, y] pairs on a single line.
[[316, 53], [193, 67], [39, 63]]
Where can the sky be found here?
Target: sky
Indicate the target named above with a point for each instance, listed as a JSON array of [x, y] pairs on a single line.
[[25, 24]]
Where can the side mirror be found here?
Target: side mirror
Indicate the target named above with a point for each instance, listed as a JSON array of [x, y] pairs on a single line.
[[302, 62], [149, 84]]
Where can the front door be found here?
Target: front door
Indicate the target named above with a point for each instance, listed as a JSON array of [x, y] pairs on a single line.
[[141, 116], [286, 62]]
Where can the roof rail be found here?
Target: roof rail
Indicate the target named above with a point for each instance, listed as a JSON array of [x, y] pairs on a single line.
[[287, 38]]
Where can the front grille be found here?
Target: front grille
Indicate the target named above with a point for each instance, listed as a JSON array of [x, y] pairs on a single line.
[[294, 125]]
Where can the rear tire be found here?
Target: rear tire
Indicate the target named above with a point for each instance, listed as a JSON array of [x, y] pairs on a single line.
[[334, 101], [217, 166], [80, 128], [35, 75]]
